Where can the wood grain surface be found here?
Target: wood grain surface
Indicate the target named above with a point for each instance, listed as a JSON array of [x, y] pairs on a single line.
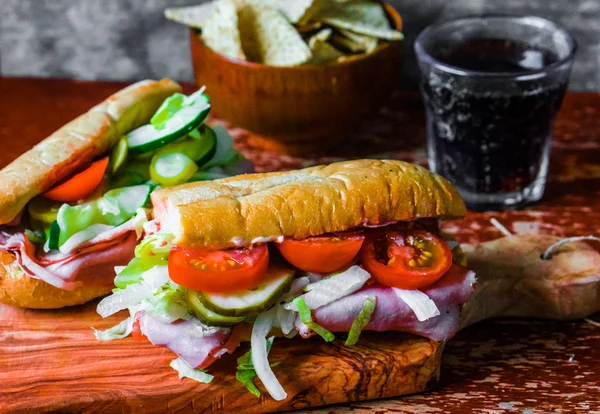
[[50, 360]]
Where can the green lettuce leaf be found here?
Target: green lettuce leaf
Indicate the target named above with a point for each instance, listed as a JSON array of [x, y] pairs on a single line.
[[245, 369], [306, 318], [362, 320], [132, 273], [173, 104], [114, 208]]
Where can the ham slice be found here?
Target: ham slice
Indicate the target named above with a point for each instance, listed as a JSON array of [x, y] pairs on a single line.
[[91, 263], [195, 343], [392, 314]]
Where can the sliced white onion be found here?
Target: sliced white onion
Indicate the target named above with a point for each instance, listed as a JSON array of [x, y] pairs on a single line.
[[186, 371], [123, 299], [258, 342], [119, 331], [284, 319], [333, 288], [421, 304]]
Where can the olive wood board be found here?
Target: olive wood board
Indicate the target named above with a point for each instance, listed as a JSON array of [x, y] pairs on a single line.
[[50, 361]]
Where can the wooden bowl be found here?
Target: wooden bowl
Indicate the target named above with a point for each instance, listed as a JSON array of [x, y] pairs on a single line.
[[299, 108]]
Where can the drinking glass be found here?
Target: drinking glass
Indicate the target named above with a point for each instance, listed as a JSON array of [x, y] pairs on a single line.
[[492, 86]]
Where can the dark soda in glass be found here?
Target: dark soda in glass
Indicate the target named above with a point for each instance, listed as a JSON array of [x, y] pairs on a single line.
[[492, 141], [491, 97]]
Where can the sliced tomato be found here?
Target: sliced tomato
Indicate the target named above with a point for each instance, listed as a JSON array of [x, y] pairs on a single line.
[[218, 271], [405, 258], [80, 185], [322, 254]]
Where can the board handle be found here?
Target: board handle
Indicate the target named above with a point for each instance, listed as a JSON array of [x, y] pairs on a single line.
[[514, 280]]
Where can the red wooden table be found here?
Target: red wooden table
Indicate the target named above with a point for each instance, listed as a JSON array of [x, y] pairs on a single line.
[[494, 366]]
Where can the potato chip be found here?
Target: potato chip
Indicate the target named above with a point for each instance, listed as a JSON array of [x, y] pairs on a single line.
[[363, 43], [220, 30], [309, 27], [360, 16], [323, 35], [296, 11], [343, 43], [193, 16], [322, 51], [269, 38]]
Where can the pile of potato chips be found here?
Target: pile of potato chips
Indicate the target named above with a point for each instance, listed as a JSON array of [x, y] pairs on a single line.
[[289, 32]]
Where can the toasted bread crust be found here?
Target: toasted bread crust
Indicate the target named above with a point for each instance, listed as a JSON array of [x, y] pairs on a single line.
[[77, 143], [250, 208], [19, 289]]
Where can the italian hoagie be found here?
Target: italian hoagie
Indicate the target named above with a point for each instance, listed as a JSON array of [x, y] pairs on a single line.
[[328, 250]]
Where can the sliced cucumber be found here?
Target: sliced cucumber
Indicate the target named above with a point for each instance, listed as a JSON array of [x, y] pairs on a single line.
[[224, 153], [172, 169], [199, 150], [205, 315], [118, 155], [134, 172], [130, 199], [179, 123], [54, 236], [251, 301]]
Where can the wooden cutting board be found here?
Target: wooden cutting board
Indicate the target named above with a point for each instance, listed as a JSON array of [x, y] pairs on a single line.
[[50, 361]]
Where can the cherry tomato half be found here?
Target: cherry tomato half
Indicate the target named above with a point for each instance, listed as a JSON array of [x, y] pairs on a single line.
[[218, 271], [405, 258], [322, 254]]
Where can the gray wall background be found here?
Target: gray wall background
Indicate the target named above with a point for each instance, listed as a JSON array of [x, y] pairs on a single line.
[[130, 39]]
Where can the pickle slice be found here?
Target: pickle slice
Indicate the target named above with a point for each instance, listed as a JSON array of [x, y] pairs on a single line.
[[205, 315], [254, 300]]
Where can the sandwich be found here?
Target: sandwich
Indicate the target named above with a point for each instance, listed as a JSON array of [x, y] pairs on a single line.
[[329, 251], [74, 206]]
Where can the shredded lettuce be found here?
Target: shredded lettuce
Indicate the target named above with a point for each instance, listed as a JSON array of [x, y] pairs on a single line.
[[119, 331], [362, 320], [306, 318], [246, 372], [132, 273], [113, 208], [186, 371], [150, 283], [151, 252], [166, 306], [157, 245]]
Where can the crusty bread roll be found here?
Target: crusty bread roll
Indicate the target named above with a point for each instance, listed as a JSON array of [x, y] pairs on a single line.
[[260, 207], [19, 289], [77, 143], [67, 150]]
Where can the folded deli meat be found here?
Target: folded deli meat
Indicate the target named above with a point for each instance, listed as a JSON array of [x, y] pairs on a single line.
[[327, 251], [74, 207]]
